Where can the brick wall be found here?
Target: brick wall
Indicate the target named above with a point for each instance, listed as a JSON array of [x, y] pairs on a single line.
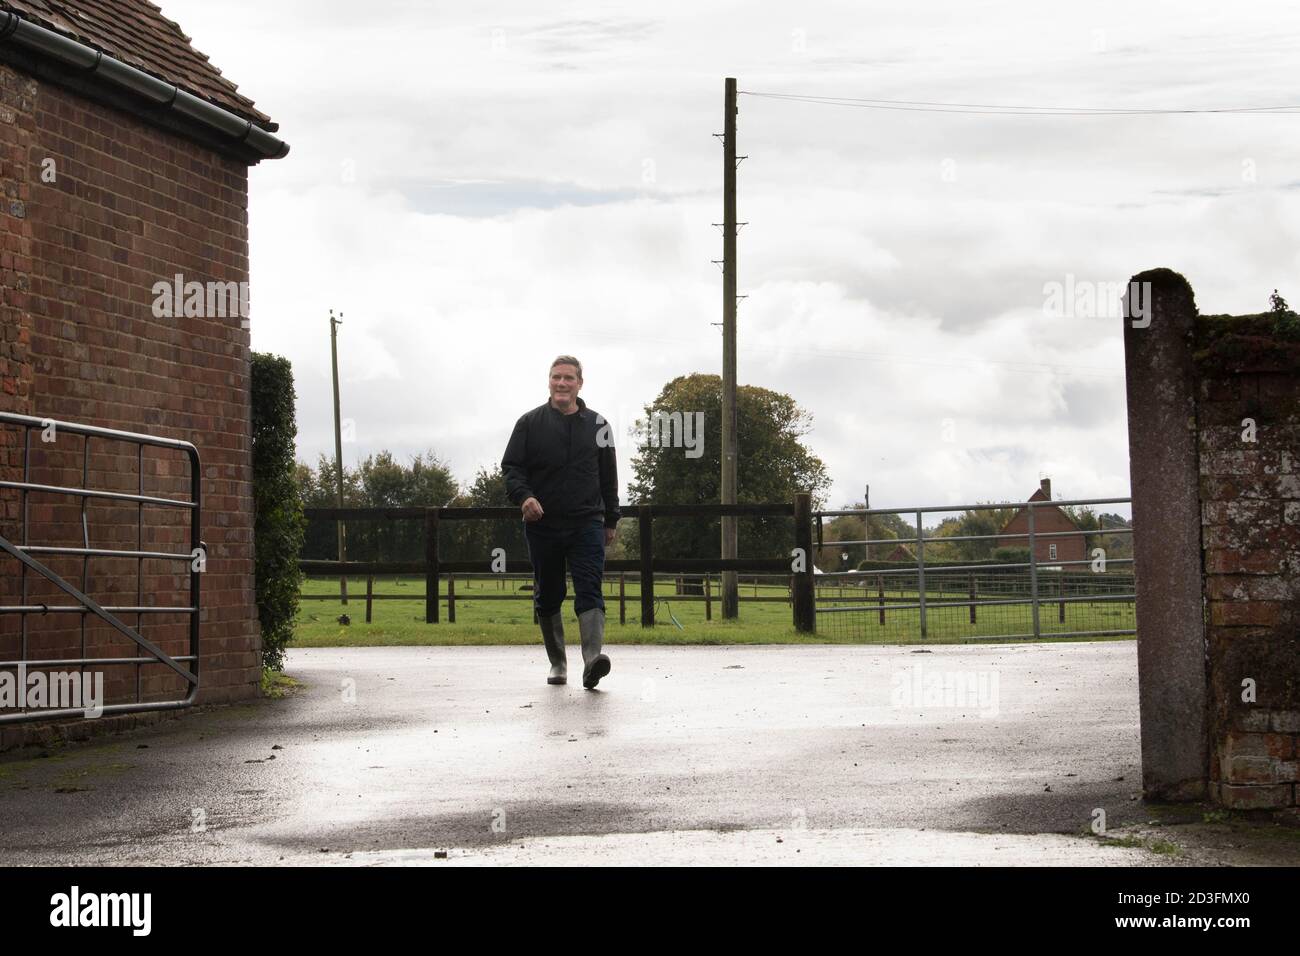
[[1214, 421], [1248, 430], [129, 205], [16, 368]]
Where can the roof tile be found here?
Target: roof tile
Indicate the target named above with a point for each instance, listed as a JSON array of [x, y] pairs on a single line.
[[137, 33]]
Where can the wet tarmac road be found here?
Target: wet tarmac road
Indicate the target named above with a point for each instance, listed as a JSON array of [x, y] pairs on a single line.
[[685, 754]]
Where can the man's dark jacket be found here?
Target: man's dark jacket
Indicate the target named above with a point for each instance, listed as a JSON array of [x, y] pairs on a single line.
[[558, 459]]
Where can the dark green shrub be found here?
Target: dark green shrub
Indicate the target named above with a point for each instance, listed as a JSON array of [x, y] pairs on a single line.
[[278, 526], [1011, 555]]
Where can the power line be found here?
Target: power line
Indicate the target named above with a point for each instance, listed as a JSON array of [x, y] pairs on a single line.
[[990, 109], [1029, 368]]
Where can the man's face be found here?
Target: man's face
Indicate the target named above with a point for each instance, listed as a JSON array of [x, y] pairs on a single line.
[[565, 386]]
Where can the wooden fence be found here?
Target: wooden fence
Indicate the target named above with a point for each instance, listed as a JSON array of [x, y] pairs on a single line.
[[799, 566]]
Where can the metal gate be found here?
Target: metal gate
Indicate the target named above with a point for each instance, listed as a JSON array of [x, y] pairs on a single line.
[[28, 553], [914, 590]]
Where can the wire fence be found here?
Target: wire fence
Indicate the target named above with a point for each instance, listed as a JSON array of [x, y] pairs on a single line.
[[1076, 582], [1072, 582]]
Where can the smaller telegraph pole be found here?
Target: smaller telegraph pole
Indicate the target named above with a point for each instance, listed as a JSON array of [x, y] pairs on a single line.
[[866, 520], [338, 448]]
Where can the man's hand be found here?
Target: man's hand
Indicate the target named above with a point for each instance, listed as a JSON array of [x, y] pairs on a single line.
[[532, 509], [609, 536]]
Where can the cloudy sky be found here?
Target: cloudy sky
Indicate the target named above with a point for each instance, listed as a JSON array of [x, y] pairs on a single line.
[[478, 187]]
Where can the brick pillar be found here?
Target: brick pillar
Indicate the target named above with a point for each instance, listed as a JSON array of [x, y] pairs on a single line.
[[1160, 386], [1248, 415]]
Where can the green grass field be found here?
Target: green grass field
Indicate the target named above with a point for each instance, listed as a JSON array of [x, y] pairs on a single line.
[[401, 622]]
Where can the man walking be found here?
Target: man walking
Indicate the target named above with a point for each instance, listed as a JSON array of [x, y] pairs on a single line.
[[561, 470]]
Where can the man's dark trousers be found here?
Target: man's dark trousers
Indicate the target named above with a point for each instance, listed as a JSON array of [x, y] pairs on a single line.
[[583, 549]]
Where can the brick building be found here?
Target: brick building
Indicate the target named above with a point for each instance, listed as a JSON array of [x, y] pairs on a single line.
[[124, 160], [1047, 520]]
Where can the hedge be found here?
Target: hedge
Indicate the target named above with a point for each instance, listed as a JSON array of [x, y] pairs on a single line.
[[279, 525]]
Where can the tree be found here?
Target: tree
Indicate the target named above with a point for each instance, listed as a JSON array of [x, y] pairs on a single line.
[[1115, 545], [830, 557], [378, 482], [983, 522], [385, 483], [319, 489], [1086, 519], [773, 464], [1285, 322], [477, 540]]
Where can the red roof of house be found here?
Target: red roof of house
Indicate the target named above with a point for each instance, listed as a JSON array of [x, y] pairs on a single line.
[[1040, 494], [137, 33]]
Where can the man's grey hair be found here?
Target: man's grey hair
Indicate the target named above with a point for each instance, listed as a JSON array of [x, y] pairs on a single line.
[[568, 360]]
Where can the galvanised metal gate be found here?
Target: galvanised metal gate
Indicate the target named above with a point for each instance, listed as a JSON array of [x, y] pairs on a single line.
[[905, 594], [27, 554]]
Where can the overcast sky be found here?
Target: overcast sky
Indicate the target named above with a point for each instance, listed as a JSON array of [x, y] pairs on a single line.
[[479, 187]]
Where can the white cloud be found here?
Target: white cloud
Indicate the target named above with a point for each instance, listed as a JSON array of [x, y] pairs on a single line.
[[483, 188]]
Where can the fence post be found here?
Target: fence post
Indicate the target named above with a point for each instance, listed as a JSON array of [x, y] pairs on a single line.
[[370, 594], [708, 600], [880, 588], [972, 597], [647, 568], [430, 565], [451, 599], [622, 597], [920, 568], [1033, 573], [805, 597]]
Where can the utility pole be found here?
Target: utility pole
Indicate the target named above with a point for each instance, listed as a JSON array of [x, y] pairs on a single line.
[[338, 448], [730, 590], [866, 520]]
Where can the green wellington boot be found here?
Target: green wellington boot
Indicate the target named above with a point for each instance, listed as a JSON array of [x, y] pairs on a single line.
[[595, 665], [553, 638]]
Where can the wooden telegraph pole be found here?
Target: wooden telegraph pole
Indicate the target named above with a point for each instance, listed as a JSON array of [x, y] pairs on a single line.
[[866, 520], [730, 591], [338, 448]]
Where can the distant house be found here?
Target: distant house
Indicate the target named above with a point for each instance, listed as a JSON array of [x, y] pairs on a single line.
[[901, 553], [1047, 520]]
